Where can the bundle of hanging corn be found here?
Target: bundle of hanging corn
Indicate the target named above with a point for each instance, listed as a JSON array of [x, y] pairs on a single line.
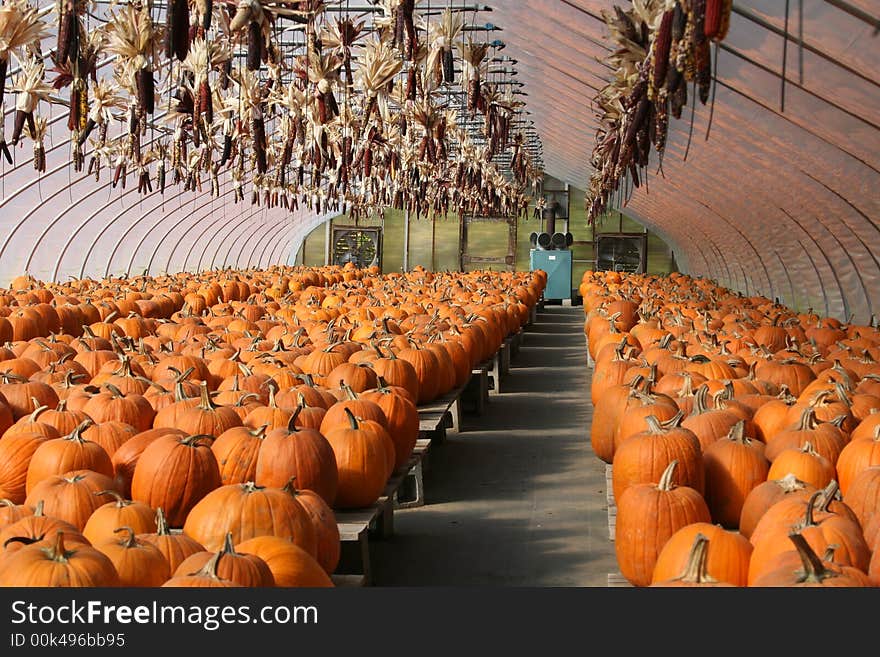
[[660, 46]]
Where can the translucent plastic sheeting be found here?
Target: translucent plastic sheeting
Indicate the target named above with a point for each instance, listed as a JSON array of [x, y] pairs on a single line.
[[65, 224], [782, 200]]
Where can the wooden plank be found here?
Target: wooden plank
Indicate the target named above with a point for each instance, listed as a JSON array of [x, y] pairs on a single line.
[[616, 580], [430, 421], [348, 581], [441, 414], [478, 388], [609, 500], [504, 353]]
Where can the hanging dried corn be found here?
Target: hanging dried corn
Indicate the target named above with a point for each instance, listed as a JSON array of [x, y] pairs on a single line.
[[717, 19]]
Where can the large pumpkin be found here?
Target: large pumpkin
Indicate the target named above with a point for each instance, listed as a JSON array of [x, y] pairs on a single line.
[[856, 455], [364, 460], [70, 496], [403, 420], [72, 452], [648, 514], [726, 559], [301, 453], [695, 572], [763, 496], [644, 456], [247, 510], [812, 571], [16, 451], [805, 463], [734, 465], [326, 528], [236, 450], [820, 528], [205, 577], [126, 456], [175, 473]]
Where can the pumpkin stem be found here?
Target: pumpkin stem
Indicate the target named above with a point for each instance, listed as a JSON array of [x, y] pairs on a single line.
[[829, 495], [38, 409], [808, 419], [674, 421], [206, 403], [57, 552], [129, 541], [120, 501], [701, 396], [349, 391], [183, 376], [696, 571], [814, 570], [229, 545], [190, 441], [116, 392], [76, 434], [272, 384], [737, 432], [654, 425], [210, 568], [152, 384], [666, 479], [291, 423], [161, 523], [809, 519], [290, 486], [352, 419]]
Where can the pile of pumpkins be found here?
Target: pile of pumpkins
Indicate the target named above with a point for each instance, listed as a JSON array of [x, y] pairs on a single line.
[[743, 437], [203, 429]]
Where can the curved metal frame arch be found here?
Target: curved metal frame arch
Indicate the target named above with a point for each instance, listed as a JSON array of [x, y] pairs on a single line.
[[268, 238], [243, 223]]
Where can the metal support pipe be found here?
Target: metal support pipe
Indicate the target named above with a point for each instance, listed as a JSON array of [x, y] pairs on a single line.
[[406, 239]]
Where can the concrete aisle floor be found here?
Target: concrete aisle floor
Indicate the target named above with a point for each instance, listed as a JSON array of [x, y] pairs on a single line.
[[517, 498]]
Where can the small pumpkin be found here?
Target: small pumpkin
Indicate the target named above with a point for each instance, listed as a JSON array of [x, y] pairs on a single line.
[[243, 569], [137, 562], [118, 512], [56, 565], [695, 572], [291, 566], [175, 546]]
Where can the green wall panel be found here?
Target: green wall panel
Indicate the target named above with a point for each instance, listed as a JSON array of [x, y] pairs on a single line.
[[490, 239]]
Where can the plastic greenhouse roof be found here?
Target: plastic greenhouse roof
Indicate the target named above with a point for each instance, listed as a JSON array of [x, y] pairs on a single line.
[[783, 199]]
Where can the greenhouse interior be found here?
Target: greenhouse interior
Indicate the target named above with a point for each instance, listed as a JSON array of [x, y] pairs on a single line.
[[431, 293]]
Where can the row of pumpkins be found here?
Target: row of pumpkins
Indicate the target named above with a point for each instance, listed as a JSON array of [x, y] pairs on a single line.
[[203, 429], [743, 437]]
